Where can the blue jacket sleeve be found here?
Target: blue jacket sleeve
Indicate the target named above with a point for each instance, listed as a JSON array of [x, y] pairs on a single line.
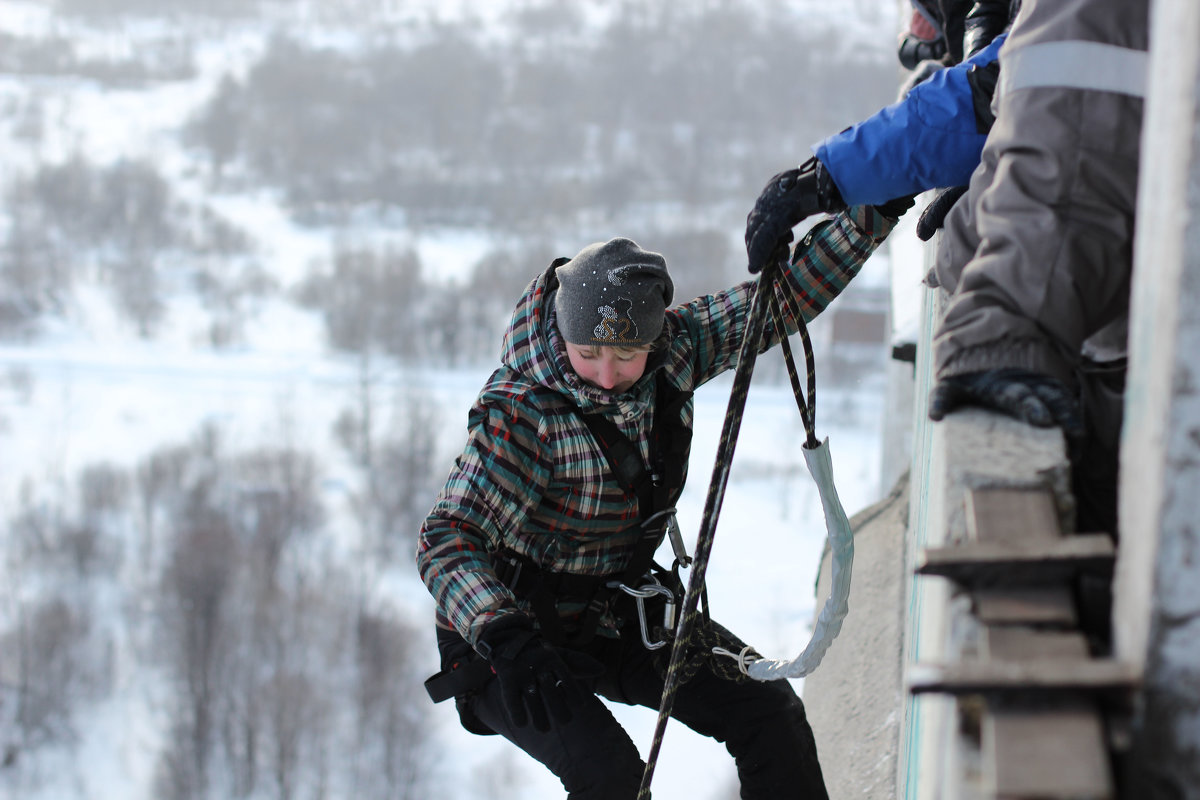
[[926, 140]]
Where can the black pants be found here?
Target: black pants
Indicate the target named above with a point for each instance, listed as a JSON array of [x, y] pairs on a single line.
[[762, 725]]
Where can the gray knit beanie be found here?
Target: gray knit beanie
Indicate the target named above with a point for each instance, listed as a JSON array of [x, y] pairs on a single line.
[[613, 293]]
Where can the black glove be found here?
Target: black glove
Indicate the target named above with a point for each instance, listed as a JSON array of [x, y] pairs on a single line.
[[1031, 397], [535, 683], [934, 215], [913, 50], [787, 199], [894, 209]]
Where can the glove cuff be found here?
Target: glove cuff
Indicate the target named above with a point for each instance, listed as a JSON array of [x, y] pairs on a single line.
[[503, 632], [828, 194]]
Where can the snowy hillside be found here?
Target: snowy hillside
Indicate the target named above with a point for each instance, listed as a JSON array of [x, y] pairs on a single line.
[[211, 472]]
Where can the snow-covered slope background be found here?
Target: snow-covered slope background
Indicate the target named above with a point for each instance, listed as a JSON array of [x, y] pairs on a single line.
[[254, 261]]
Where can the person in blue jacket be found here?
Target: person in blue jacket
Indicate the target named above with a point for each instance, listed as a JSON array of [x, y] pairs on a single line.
[[931, 138]]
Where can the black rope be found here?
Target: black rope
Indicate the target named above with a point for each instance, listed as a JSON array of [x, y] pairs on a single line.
[[716, 492], [764, 298], [808, 410]]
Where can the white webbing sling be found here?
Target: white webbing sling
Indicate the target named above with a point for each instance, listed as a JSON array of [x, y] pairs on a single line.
[[829, 621], [841, 546]]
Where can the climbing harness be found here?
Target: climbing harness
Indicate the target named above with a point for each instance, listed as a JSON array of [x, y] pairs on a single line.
[[746, 660]]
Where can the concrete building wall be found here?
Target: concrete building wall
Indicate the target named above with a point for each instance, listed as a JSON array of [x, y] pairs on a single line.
[[856, 721], [1157, 608]]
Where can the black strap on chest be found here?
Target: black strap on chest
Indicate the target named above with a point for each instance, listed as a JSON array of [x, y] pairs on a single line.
[[656, 490]]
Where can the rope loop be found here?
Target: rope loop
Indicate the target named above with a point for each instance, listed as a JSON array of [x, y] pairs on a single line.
[[744, 658]]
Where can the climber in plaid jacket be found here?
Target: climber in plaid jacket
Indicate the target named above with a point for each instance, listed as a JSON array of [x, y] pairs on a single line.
[[532, 508]]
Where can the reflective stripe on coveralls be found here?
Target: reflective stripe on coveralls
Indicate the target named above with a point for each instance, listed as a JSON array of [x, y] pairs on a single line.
[[1091, 66]]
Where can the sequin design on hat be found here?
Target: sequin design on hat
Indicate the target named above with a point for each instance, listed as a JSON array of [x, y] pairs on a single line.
[[615, 327]]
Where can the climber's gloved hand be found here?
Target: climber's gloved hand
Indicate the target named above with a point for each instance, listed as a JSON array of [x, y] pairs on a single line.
[[1031, 397], [934, 215], [894, 209], [536, 685], [787, 199]]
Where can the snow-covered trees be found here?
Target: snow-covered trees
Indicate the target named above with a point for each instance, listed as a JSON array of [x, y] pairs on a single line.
[[274, 669]]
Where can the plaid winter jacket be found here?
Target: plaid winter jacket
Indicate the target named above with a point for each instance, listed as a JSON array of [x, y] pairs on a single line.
[[532, 478]]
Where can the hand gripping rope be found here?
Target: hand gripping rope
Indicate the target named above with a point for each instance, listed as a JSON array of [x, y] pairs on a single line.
[[816, 455]]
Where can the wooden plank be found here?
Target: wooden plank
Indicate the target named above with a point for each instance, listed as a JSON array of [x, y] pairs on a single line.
[[1022, 677], [1053, 747], [1046, 753], [1042, 736], [1020, 561], [1050, 606], [1010, 515], [1031, 644]]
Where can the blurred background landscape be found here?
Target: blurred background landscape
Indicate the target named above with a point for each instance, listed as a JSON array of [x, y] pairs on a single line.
[[255, 259]]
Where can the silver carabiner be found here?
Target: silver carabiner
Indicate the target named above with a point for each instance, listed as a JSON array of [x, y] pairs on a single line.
[[673, 532], [654, 587]]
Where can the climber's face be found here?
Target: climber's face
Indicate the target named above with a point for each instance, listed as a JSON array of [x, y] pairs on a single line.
[[613, 369]]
